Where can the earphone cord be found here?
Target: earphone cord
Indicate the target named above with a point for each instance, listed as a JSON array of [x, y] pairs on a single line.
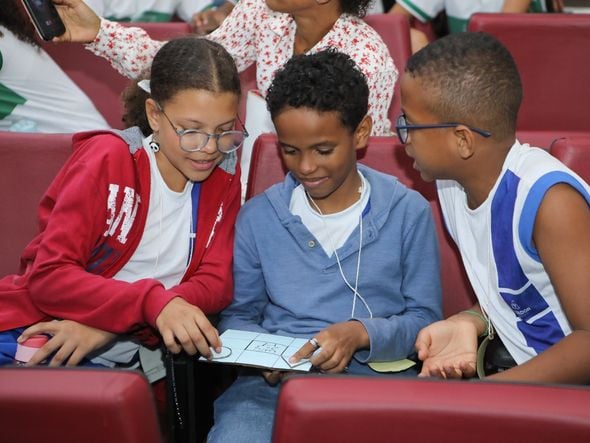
[[358, 263]]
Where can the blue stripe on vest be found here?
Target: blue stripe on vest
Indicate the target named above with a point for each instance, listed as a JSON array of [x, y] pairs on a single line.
[[533, 201], [526, 302]]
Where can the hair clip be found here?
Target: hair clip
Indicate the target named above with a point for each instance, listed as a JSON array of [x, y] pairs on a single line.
[[145, 85]]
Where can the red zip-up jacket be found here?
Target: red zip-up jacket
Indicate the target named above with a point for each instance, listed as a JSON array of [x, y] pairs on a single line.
[[91, 220]]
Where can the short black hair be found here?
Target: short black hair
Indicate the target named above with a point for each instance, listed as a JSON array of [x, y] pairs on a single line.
[[357, 8], [327, 81], [188, 62], [472, 79]]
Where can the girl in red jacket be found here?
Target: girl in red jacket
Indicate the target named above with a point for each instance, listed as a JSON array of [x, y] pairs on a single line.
[[136, 233]]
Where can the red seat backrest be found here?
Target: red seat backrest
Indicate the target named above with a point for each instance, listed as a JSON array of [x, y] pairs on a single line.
[[552, 52], [394, 29], [97, 78], [28, 164], [74, 405], [574, 152], [376, 409], [386, 155]]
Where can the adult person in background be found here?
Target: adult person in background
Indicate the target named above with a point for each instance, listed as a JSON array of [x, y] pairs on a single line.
[[266, 33], [210, 19], [36, 95], [458, 12]]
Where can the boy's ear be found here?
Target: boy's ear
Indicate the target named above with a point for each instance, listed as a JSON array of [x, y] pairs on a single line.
[[465, 141], [363, 132], [152, 112]]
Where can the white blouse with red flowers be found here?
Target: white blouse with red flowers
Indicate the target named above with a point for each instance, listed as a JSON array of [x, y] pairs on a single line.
[[253, 33]]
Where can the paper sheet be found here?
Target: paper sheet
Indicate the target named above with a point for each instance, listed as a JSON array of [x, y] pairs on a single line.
[[392, 366], [260, 350]]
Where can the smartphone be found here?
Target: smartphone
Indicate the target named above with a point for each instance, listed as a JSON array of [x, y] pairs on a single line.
[[45, 18]]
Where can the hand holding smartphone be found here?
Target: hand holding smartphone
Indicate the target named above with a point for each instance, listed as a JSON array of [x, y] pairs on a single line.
[[45, 18]]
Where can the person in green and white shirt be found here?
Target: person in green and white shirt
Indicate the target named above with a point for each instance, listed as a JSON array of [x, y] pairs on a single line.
[[147, 10], [459, 11], [36, 95]]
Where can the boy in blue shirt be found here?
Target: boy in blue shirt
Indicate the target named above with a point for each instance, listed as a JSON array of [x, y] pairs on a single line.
[[338, 253]]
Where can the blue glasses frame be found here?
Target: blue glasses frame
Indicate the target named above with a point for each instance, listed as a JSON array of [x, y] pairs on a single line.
[[403, 128]]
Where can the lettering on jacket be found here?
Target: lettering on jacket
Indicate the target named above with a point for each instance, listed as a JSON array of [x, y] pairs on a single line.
[[125, 215]]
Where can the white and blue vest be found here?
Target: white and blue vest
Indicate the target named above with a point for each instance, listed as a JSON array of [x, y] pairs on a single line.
[[496, 245]]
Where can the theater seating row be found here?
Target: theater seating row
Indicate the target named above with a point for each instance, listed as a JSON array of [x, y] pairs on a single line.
[[28, 163]]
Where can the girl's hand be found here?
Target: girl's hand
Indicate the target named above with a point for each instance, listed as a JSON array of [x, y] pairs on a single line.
[[448, 349], [82, 24], [184, 326], [338, 343], [71, 341]]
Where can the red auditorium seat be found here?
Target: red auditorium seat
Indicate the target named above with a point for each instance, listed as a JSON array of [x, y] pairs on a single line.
[[375, 410], [394, 29], [552, 52], [386, 155], [76, 405], [574, 152], [28, 163]]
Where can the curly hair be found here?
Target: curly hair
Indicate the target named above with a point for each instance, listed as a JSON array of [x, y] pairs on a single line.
[[471, 78], [13, 18], [188, 62], [357, 8], [328, 81]]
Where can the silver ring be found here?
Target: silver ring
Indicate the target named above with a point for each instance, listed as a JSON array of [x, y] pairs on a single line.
[[314, 343]]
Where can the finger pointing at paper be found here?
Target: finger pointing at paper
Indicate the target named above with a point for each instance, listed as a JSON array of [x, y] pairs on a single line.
[[332, 348]]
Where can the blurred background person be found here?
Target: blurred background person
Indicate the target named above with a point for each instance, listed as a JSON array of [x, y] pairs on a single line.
[[35, 94]]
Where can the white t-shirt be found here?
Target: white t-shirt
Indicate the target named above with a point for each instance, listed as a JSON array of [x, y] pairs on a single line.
[[331, 230], [146, 10], [496, 244], [37, 96], [162, 253]]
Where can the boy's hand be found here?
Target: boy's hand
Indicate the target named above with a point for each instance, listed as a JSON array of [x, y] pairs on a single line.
[[184, 326], [71, 341], [338, 343], [82, 24], [448, 349]]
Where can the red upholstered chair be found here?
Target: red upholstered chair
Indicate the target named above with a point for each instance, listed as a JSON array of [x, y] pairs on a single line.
[[394, 29], [574, 152], [97, 78], [544, 139], [76, 405], [375, 410], [552, 52], [28, 164], [386, 155]]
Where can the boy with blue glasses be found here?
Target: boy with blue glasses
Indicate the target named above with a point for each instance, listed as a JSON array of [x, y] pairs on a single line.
[[520, 218]]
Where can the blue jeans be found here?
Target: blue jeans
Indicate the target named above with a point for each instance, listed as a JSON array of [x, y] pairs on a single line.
[[245, 411]]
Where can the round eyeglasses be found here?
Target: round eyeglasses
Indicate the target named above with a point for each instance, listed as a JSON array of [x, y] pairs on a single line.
[[193, 140], [402, 127]]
